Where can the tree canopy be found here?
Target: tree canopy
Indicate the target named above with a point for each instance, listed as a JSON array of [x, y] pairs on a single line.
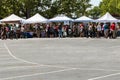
[[47, 8], [51, 8], [112, 6]]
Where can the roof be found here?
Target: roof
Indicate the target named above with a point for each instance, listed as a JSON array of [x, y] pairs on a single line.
[[107, 18], [37, 18], [60, 18], [12, 18], [83, 19]]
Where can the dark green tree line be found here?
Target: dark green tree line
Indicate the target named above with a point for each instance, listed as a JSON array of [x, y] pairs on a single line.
[[112, 6], [47, 8]]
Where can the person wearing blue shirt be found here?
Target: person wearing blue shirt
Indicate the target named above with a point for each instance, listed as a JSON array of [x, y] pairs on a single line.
[[106, 29]]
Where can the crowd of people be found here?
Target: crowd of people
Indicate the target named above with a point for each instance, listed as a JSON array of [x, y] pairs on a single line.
[[88, 30]]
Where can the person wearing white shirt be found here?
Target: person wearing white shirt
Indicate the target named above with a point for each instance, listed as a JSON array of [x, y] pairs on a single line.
[[99, 29]]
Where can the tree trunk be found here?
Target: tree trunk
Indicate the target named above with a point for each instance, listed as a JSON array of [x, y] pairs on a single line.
[[27, 13]]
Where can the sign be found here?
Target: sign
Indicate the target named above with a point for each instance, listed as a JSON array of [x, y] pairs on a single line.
[[66, 23]]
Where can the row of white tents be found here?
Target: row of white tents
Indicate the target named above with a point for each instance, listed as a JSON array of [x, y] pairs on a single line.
[[61, 18]]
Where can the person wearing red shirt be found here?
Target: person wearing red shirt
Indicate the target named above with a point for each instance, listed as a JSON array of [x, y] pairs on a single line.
[[112, 29]]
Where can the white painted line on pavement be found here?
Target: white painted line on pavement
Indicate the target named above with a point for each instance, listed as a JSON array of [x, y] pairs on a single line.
[[101, 77], [69, 68], [10, 53], [96, 69], [22, 60], [29, 75], [25, 61], [21, 67]]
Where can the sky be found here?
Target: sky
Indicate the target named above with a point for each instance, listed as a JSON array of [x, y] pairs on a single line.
[[95, 2]]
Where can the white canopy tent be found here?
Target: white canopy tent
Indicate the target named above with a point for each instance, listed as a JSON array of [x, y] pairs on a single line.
[[12, 19], [107, 18], [37, 18], [60, 18], [83, 19]]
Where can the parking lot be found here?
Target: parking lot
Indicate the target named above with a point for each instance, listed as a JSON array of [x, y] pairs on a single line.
[[60, 59]]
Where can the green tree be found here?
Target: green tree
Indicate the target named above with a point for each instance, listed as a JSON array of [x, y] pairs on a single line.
[[8, 7], [52, 10], [77, 7], [112, 6], [27, 7], [81, 7], [47, 8], [1, 8], [30, 7], [95, 12]]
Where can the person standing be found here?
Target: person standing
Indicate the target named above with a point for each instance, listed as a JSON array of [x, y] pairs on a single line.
[[15, 31], [60, 31], [106, 29], [94, 31], [51, 31], [38, 30], [3, 33], [113, 30], [86, 30], [22, 29], [81, 30], [74, 30], [55, 31], [90, 30], [99, 29]]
